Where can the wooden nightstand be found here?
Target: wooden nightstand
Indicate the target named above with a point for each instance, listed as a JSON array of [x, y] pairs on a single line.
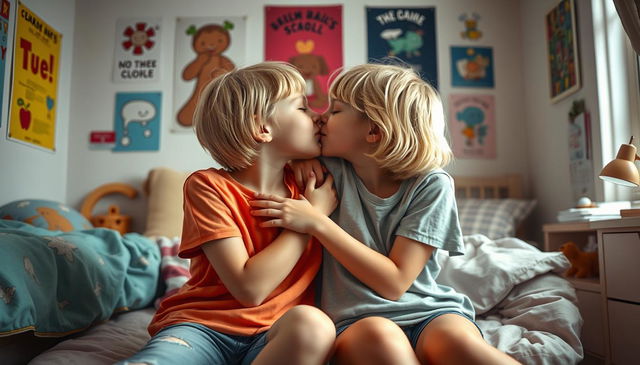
[[610, 303]]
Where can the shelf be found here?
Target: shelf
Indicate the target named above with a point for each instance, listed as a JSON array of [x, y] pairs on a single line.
[[587, 284], [568, 227]]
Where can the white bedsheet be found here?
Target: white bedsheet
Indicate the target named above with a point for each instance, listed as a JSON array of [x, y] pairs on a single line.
[[524, 308]]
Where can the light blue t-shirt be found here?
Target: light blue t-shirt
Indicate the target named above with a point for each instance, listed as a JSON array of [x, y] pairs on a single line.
[[423, 209]]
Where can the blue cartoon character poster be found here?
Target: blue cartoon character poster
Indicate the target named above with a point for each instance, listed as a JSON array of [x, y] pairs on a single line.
[[137, 121], [472, 67], [406, 33], [472, 126]]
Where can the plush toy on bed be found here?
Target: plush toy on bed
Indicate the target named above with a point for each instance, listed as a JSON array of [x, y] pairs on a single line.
[[583, 264]]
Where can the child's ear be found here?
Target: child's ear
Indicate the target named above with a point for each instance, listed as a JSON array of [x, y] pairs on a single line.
[[264, 132], [374, 134]]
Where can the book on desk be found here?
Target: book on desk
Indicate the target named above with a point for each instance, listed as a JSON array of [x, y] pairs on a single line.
[[604, 210]]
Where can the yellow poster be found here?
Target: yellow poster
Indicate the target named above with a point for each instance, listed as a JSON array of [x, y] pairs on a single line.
[[36, 58]]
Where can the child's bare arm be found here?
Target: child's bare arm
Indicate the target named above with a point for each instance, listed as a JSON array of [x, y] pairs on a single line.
[[251, 279], [389, 276]]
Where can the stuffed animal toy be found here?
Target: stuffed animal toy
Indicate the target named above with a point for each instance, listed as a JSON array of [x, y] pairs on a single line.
[[583, 264]]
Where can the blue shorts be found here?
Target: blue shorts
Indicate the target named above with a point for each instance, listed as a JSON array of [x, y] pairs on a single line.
[[413, 331], [193, 343]]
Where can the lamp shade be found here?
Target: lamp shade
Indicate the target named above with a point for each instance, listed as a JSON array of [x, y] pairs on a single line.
[[623, 170]]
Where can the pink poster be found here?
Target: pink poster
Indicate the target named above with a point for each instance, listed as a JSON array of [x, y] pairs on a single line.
[[472, 125], [310, 38]]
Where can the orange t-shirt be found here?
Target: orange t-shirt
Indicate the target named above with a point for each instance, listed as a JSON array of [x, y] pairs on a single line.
[[217, 206]]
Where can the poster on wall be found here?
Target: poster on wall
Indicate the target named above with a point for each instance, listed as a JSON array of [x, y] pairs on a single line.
[[562, 50], [472, 125], [137, 121], [36, 59], [206, 47], [5, 12], [310, 38], [580, 155], [405, 33], [472, 67], [137, 50], [471, 30]]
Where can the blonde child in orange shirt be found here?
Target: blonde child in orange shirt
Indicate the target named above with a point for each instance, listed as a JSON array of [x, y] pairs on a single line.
[[250, 293]]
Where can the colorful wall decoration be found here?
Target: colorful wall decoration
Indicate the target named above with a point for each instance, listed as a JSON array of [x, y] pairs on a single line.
[[137, 121], [562, 50], [405, 33], [137, 50], [472, 67], [472, 125], [36, 61], [471, 31], [310, 38], [5, 12], [206, 47]]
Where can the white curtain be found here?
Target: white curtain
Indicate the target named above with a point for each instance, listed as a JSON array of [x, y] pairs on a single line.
[[629, 11]]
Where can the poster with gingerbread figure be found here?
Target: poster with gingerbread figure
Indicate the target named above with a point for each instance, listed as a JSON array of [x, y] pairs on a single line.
[[137, 50], [310, 38], [206, 47]]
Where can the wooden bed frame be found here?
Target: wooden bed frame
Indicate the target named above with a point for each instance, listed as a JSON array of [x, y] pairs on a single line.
[[494, 187]]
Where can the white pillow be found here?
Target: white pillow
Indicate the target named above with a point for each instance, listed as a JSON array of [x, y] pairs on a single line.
[[494, 218]]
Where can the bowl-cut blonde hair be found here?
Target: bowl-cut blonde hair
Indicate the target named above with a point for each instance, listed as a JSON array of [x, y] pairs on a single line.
[[407, 110], [227, 115]]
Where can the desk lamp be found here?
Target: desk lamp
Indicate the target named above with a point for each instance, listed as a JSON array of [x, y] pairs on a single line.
[[623, 171]]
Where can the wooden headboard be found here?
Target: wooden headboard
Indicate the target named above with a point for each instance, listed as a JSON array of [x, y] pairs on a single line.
[[493, 187]]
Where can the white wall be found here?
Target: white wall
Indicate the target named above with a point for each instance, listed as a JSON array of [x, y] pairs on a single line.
[[547, 123], [93, 90], [27, 172]]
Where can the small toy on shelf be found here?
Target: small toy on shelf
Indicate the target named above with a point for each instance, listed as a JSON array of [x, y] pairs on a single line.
[[583, 264]]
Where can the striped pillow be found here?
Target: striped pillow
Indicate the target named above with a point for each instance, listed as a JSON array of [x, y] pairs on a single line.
[[174, 270], [494, 218]]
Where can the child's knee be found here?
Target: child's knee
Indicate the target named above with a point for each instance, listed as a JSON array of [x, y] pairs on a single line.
[[307, 318], [308, 329]]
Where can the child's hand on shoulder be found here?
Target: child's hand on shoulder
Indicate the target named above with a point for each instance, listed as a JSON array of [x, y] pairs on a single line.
[[298, 215], [303, 168]]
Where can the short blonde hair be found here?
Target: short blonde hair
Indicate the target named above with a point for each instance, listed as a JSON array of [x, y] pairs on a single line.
[[407, 110], [226, 115]]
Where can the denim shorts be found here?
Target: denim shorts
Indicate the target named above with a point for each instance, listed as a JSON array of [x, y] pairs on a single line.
[[193, 343], [413, 331]]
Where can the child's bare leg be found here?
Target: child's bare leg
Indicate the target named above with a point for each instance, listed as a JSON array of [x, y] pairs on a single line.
[[373, 340], [304, 335], [453, 339]]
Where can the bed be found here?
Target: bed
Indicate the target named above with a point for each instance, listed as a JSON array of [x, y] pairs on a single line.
[[524, 307]]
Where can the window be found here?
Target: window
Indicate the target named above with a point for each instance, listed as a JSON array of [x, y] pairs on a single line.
[[618, 93]]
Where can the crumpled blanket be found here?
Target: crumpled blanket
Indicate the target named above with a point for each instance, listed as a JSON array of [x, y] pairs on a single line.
[[523, 306], [56, 283]]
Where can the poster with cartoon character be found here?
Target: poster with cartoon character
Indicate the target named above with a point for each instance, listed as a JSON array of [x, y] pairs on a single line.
[[137, 121], [406, 33], [471, 31], [472, 66], [206, 47], [34, 86], [472, 125], [310, 38], [137, 50]]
